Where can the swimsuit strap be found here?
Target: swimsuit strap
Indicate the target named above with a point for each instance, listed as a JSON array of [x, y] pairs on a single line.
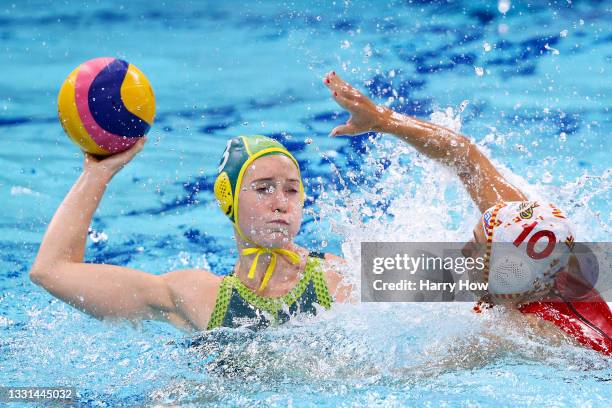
[[318, 278], [223, 298]]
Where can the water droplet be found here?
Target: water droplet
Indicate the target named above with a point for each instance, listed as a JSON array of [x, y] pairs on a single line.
[[345, 44], [502, 28], [503, 6], [308, 140], [549, 48], [547, 177], [563, 136], [563, 33], [479, 71], [96, 236], [486, 46]]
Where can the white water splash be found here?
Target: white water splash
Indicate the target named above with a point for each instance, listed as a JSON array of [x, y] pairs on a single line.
[[97, 236], [19, 190], [449, 118], [551, 49], [414, 192]]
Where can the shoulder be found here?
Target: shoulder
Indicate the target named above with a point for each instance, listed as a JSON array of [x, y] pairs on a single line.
[[334, 268], [194, 292], [185, 281]]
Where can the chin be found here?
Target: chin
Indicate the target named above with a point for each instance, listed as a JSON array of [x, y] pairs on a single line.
[[273, 239]]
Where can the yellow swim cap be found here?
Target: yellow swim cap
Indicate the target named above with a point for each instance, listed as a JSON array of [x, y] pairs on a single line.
[[239, 153]]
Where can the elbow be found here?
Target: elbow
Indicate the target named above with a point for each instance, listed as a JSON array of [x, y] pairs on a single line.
[[37, 275], [466, 145], [40, 273], [472, 151]]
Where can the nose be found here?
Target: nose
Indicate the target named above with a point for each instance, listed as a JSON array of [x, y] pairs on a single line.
[[280, 201]]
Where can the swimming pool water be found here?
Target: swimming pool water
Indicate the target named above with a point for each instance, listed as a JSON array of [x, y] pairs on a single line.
[[531, 86]]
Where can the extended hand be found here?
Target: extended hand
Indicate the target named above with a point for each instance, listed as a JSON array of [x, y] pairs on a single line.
[[365, 115], [109, 166]]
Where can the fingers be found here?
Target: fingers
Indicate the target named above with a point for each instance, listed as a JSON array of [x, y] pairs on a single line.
[[339, 91], [116, 161], [339, 87], [140, 144], [134, 150], [364, 113], [334, 83], [347, 104]]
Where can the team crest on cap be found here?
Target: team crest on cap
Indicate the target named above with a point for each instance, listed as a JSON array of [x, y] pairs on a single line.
[[526, 209]]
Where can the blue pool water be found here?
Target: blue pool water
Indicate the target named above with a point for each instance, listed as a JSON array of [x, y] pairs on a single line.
[[531, 86]]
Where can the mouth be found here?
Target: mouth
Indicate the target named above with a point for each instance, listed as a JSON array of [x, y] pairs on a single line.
[[278, 222]]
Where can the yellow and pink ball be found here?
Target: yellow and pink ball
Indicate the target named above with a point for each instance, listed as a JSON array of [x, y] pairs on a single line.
[[106, 105]]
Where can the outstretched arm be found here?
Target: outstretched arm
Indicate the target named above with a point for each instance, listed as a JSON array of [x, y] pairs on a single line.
[[484, 183], [97, 289]]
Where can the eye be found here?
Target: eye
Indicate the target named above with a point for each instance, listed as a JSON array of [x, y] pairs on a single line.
[[265, 189]]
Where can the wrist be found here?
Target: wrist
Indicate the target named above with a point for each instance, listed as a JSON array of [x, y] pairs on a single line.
[[386, 120], [97, 175]]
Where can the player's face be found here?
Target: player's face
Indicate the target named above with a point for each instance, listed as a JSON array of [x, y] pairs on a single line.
[[270, 204]]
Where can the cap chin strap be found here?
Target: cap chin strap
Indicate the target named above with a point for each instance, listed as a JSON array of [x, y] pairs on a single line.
[[291, 256], [258, 250]]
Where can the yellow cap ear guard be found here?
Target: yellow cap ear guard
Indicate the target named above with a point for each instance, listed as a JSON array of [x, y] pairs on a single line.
[[223, 193]]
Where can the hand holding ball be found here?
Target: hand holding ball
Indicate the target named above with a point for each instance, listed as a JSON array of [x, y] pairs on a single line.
[[106, 105]]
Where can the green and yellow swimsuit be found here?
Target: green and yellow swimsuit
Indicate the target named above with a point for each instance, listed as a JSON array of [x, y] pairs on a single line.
[[239, 306]]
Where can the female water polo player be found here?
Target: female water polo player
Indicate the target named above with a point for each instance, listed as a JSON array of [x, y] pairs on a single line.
[[260, 189], [526, 245]]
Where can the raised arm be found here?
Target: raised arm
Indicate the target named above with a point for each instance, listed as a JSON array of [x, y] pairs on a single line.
[[484, 183], [97, 289]]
